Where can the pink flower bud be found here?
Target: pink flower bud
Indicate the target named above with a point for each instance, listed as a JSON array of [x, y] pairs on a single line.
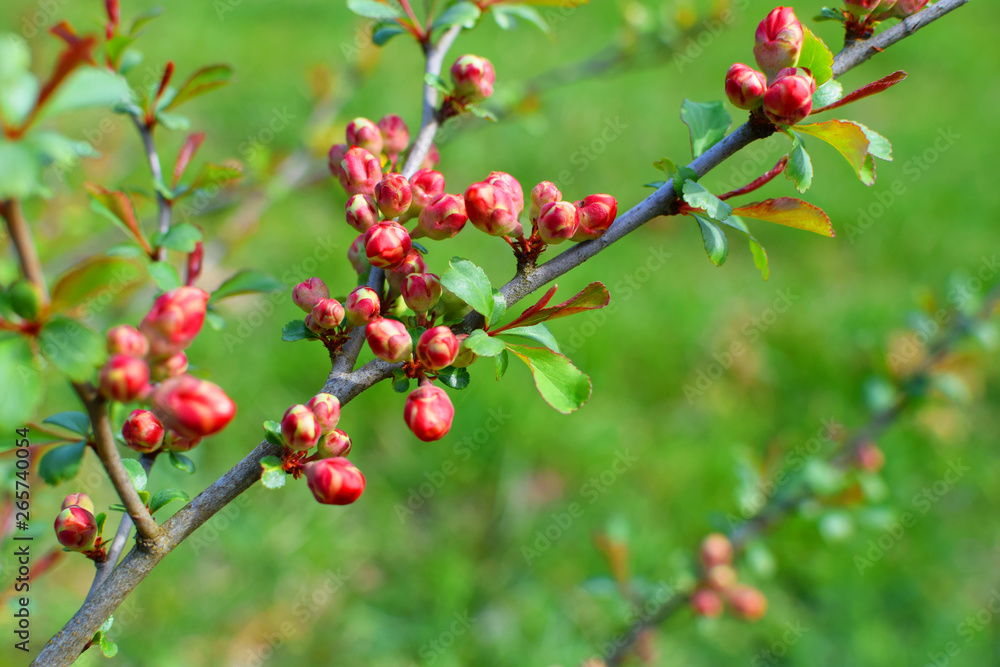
[[905, 8], [745, 87], [124, 378], [361, 212], [492, 210], [359, 171], [716, 550], [779, 40], [327, 314], [143, 432], [393, 195], [789, 99], [721, 577], [426, 185], [365, 134], [870, 457], [311, 324], [175, 442], [422, 291], [443, 218], [747, 602], [412, 263], [861, 8], [307, 294], [335, 157], [326, 409], [510, 184], [357, 257], [542, 194], [803, 72], [429, 412], [474, 78], [300, 428], [389, 339], [432, 159], [172, 366], [387, 244], [597, 212], [126, 339], [558, 221], [335, 481], [437, 348], [395, 134], [706, 602], [81, 500], [465, 357], [333, 444], [76, 529], [192, 407], [174, 320], [362, 306]]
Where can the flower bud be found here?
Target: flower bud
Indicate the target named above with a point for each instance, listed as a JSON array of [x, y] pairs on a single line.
[[175, 442], [437, 348], [474, 78], [174, 320], [747, 602], [432, 159], [511, 185], [124, 378], [789, 99], [870, 457], [359, 171], [192, 407], [76, 529], [443, 218], [465, 357], [143, 432], [597, 212], [326, 409], [905, 8], [803, 72], [491, 209], [721, 577], [395, 134], [428, 412], [307, 294], [745, 87], [126, 339], [716, 549], [706, 602], [328, 314], [365, 134], [542, 194], [300, 428], [558, 221], [389, 339], [361, 212], [412, 263], [779, 40], [172, 366], [335, 481], [362, 306], [861, 8], [311, 324], [393, 195], [335, 157], [357, 257], [387, 244], [425, 186], [81, 500], [422, 291], [26, 299], [333, 444]]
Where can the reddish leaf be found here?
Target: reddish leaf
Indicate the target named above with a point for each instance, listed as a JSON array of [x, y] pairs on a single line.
[[190, 147], [202, 81], [849, 139], [873, 88], [120, 206], [789, 212], [759, 182], [593, 297]]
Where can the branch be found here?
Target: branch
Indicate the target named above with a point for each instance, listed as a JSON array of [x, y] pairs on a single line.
[[20, 235], [153, 158]]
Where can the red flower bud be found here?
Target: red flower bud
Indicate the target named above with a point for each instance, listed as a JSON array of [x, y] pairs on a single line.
[[745, 87], [437, 348], [492, 210], [311, 324], [443, 218], [327, 314], [510, 184], [870, 457], [174, 320], [76, 529], [706, 602], [803, 72], [389, 339], [779, 40], [143, 432], [747, 602], [365, 134], [395, 134], [465, 357], [861, 8], [192, 407], [124, 378], [307, 294], [905, 8], [335, 481], [716, 550], [597, 212], [126, 339], [558, 221], [542, 194], [432, 159], [172, 366], [335, 157], [175, 442], [422, 291], [425, 186], [474, 78], [333, 444], [357, 257], [387, 244], [361, 212], [429, 412], [393, 195], [359, 171], [721, 577], [81, 500], [362, 306], [326, 409], [789, 99], [300, 428]]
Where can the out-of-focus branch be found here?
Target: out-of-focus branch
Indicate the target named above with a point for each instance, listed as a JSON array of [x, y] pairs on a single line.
[[24, 243], [153, 159]]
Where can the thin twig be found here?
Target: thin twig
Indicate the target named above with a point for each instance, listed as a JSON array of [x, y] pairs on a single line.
[[153, 159], [24, 243]]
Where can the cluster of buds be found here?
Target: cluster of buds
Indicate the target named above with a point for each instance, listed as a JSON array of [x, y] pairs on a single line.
[[357, 163], [782, 91], [720, 586], [324, 316], [76, 527], [874, 11]]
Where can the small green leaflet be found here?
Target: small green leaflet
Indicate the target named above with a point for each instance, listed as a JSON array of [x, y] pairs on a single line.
[[272, 474], [756, 249], [697, 196], [456, 378], [295, 331], [469, 283], [165, 276], [164, 496], [462, 13], [714, 239], [707, 124], [538, 333], [136, 472], [483, 344], [560, 383], [77, 422], [61, 463], [799, 168], [374, 10], [182, 462], [816, 57]]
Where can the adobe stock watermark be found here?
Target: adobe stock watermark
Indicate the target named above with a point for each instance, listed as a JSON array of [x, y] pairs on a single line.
[[711, 29], [774, 654], [586, 154], [432, 650], [638, 614], [967, 630]]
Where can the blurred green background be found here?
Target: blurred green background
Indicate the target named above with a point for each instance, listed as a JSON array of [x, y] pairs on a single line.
[[277, 579]]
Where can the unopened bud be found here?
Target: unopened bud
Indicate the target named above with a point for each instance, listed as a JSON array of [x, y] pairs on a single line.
[[357, 257], [359, 171], [361, 212], [175, 442], [299, 428], [747, 602], [124, 378], [558, 221], [474, 78], [326, 409], [310, 292], [335, 481], [465, 357], [335, 157], [870, 457], [412, 263], [393, 195], [79, 500], [191, 406], [432, 159], [491, 209], [905, 8], [365, 134], [542, 194], [425, 186], [395, 134], [779, 40], [437, 348], [328, 314], [333, 444], [597, 212], [172, 366], [721, 577], [443, 218], [174, 320], [362, 306], [511, 185], [745, 87], [76, 528], [126, 339], [26, 298], [789, 99], [716, 549], [429, 413], [143, 432], [422, 291], [706, 602], [387, 244], [389, 340]]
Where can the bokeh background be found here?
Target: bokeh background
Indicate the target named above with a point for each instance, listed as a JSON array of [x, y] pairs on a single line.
[[430, 566]]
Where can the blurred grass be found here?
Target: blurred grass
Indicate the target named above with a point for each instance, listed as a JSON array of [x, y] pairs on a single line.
[[277, 579]]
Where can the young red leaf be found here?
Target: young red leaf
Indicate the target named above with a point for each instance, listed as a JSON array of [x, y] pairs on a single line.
[[593, 297], [789, 212], [873, 88], [759, 182], [120, 207], [190, 147], [199, 83]]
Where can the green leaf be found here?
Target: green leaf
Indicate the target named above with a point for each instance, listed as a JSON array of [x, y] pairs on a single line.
[[249, 281], [77, 422], [202, 81], [799, 168], [561, 384], [756, 249], [165, 276], [181, 462], [108, 647], [142, 20], [707, 123], [107, 624], [469, 283], [830, 14], [272, 474], [272, 432], [501, 361], [816, 56], [116, 207], [499, 309], [437, 83], [667, 166], [789, 212], [828, 93], [173, 121], [506, 16], [164, 496], [181, 237], [374, 10], [62, 463], [75, 349], [100, 520], [480, 112], [135, 471], [296, 331], [538, 333], [483, 344], [715, 241], [849, 140], [456, 378], [683, 175], [56, 149], [461, 13], [383, 32], [93, 277], [214, 175], [20, 383], [20, 170], [878, 146], [697, 196], [87, 88]]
